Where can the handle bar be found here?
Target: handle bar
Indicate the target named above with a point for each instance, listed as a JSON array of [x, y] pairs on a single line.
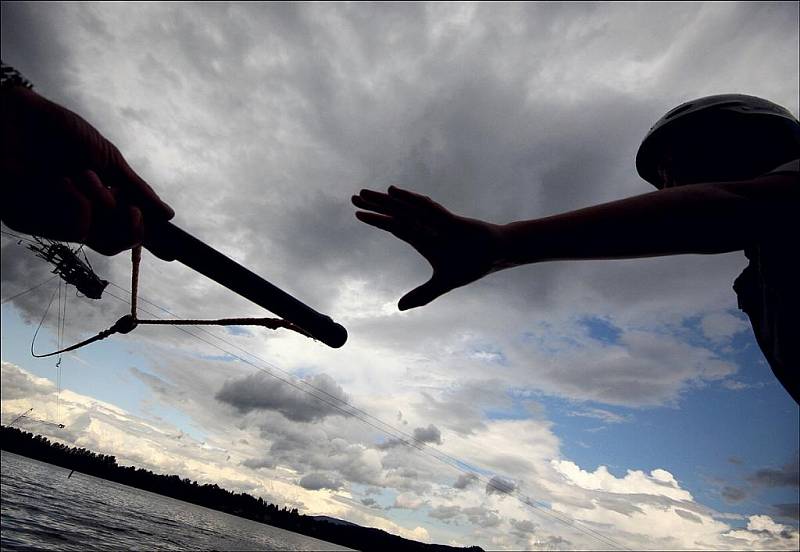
[[168, 242]]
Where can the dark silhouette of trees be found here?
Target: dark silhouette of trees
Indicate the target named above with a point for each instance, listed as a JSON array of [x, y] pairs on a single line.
[[208, 495]]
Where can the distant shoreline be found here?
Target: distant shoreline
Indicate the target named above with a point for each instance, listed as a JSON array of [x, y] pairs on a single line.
[[209, 496]]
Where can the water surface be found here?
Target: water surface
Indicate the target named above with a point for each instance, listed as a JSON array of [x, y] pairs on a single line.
[[43, 509]]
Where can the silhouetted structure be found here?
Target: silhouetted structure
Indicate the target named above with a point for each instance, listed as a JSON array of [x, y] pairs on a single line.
[[69, 267], [208, 496]]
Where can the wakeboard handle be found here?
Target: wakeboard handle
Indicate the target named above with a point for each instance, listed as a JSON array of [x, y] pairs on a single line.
[[170, 243]]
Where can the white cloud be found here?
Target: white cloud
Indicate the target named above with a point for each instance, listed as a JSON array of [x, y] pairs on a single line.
[[600, 414], [721, 326], [765, 523], [658, 482], [408, 501], [640, 507], [763, 533]]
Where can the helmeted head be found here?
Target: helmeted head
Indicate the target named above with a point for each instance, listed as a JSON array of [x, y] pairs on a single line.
[[717, 139]]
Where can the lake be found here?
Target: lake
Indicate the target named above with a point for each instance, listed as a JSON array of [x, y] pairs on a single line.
[[43, 509]]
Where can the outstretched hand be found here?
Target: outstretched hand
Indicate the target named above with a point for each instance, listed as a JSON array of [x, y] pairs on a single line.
[[63, 180], [460, 250]]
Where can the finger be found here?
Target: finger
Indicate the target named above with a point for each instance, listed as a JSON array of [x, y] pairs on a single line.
[[389, 224], [424, 294], [117, 231], [139, 191], [377, 206], [383, 203], [95, 191], [71, 211], [53, 209], [418, 200], [378, 221]]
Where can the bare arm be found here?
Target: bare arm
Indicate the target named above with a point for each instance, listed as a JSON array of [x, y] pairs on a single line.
[[702, 218]]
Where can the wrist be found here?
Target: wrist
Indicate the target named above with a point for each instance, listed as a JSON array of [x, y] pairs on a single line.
[[507, 239], [520, 243]]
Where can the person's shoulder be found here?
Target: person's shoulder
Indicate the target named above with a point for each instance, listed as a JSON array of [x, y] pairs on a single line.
[[791, 168]]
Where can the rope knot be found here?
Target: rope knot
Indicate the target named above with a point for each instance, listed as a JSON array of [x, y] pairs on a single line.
[[124, 325]]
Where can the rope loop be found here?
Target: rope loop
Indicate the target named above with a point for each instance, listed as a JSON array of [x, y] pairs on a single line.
[[129, 322]]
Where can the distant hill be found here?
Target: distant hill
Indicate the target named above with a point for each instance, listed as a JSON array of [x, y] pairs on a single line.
[[381, 538], [335, 521]]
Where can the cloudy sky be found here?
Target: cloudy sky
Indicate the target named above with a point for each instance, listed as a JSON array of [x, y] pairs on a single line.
[[565, 405]]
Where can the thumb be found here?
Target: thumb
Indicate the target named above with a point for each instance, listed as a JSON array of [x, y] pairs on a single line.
[[423, 294]]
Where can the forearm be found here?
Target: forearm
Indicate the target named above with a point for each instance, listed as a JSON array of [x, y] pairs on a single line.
[[702, 218]]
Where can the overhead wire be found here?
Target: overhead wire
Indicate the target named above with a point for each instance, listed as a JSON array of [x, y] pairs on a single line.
[[59, 332], [402, 437], [16, 236], [37, 286], [62, 320], [39, 327]]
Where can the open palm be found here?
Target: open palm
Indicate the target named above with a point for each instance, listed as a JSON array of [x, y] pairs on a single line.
[[460, 250]]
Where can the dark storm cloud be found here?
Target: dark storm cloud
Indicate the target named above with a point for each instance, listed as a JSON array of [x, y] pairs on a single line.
[[314, 448], [523, 529], [31, 42], [390, 443], [733, 494], [482, 517], [261, 392], [789, 511], [500, 485], [787, 475], [318, 481], [259, 463], [369, 501], [22, 270], [465, 480], [430, 434]]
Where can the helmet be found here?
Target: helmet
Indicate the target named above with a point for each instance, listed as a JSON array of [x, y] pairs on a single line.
[[719, 138]]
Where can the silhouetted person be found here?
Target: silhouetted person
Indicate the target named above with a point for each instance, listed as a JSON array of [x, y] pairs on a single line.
[[726, 168], [63, 180]]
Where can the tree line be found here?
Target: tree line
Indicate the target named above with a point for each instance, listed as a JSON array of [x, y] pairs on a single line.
[[210, 496]]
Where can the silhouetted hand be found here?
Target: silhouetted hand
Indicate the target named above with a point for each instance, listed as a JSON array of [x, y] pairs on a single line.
[[460, 250], [63, 180]]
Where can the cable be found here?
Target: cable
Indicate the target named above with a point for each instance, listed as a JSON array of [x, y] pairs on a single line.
[[445, 458], [16, 236], [50, 279], [62, 329], [39, 327]]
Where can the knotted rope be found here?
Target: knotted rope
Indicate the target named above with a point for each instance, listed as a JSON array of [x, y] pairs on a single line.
[[129, 322]]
